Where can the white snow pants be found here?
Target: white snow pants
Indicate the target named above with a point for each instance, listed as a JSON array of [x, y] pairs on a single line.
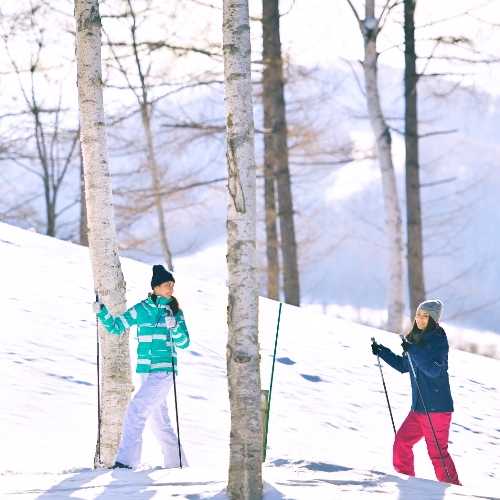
[[150, 402]]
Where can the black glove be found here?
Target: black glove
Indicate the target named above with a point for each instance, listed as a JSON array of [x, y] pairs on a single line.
[[376, 348], [405, 345]]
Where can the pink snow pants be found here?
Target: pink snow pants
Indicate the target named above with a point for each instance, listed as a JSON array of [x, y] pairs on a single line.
[[414, 428]]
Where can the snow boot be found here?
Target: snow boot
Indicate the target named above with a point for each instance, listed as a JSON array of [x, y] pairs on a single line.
[[119, 465]]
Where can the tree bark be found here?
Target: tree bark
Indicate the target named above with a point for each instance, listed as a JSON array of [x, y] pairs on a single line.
[[84, 230], [108, 277], [272, 244], [243, 363], [51, 218], [146, 122], [274, 86], [393, 222], [413, 206], [48, 180], [153, 167]]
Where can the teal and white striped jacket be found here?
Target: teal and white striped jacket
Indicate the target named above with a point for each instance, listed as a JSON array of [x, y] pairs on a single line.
[[153, 352]]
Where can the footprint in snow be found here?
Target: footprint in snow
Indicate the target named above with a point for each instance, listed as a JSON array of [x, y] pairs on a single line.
[[324, 467], [311, 378]]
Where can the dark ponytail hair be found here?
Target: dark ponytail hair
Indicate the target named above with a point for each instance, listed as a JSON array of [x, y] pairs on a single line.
[[415, 334], [174, 305]]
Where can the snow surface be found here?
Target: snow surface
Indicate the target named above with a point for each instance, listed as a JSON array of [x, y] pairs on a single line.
[[330, 434]]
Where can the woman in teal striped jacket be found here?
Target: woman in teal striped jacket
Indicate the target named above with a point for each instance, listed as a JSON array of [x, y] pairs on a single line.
[[160, 329]]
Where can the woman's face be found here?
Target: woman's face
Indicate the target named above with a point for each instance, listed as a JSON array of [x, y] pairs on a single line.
[[165, 290], [422, 319]]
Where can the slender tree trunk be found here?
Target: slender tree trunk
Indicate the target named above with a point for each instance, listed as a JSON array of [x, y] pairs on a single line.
[[393, 223], [243, 364], [47, 184], [275, 88], [84, 230], [272, 243], [108, 277], [273, 265], [49, 194], [51, 217], [413, 207], [153, 167]]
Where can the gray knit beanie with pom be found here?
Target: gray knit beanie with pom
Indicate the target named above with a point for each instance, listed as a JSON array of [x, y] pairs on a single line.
[[433, 307]]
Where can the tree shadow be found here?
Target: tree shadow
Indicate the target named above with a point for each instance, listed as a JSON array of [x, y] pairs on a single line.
[[130, 485], [126, 484], [411, 488], [271, 493], [221, 495], [408, 488], [139, 485], [69, 485]]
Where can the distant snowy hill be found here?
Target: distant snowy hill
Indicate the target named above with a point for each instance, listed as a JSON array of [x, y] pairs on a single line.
[[330, 433]]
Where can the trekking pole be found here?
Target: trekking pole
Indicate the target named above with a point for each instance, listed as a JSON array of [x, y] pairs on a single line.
[[427, 413], [272, 377], [385, 390], [175, 397], [99, 459]]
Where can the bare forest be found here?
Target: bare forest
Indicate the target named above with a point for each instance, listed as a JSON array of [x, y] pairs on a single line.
[[315, 124], [339, 156], [375, 155]]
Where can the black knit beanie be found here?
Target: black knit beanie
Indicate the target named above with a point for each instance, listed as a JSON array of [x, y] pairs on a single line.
[[160, 275]]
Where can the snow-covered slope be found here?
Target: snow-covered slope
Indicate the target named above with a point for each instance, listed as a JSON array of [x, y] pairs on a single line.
[[330, 433]]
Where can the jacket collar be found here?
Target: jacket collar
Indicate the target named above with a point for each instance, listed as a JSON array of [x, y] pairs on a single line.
[[438, 331], [161, 302]]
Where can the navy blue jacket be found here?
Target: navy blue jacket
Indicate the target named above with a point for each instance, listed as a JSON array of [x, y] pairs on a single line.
[[430, 362]]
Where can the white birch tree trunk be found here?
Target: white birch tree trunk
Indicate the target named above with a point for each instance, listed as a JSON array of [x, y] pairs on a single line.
[[393, 222], [243, 363], [108, 278], [394, 228]]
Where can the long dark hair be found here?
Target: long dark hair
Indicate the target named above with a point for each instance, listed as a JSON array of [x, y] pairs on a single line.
[[415, 334], [174, 305]]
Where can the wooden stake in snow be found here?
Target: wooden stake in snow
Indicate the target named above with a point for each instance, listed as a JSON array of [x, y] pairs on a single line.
[[108, 277], [245, 461]]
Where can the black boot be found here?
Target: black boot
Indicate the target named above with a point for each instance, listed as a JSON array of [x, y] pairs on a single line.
[[119, 465]]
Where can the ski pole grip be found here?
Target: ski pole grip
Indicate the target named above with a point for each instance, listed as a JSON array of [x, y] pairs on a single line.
[[373, 339], [96, 296]]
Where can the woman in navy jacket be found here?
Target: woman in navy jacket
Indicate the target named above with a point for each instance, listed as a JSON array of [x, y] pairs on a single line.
[[427, 346]]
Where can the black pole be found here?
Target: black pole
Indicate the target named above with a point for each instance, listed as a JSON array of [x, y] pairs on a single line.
[[385, 390], [272, 377], [99, 460], [175, 398], [427, 413]]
